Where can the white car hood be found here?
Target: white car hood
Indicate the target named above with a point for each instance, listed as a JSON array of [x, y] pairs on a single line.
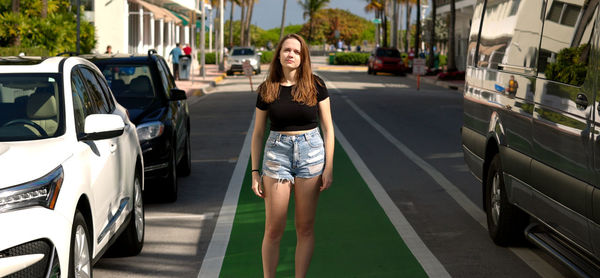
[[29, 160]]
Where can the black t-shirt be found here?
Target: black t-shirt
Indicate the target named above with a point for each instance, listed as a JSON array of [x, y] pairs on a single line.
[[288, 115]]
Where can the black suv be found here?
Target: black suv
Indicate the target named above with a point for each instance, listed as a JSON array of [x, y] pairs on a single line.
[[145, 86]]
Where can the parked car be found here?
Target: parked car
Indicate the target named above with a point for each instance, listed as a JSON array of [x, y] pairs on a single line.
[[71, 169], [239, 55], [384, 59], [145, 86], [532, 124]]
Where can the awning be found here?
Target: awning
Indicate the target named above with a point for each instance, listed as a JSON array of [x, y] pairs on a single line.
[[185, 20], [159, 13]]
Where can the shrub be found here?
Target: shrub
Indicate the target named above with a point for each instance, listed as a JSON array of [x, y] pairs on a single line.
[[266, 57], [29, 51], [351, 58], [209, 57]]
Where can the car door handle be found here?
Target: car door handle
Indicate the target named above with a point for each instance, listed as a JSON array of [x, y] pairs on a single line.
[[581, 101], [113, 147]]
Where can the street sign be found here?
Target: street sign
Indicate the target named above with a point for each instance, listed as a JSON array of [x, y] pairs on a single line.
[[247, 68], [419, 66], [377, 21]]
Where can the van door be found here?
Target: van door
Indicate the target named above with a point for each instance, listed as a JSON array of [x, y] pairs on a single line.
[[561, 168], [507, 53]]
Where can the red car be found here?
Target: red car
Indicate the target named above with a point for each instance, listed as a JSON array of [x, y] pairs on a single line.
[[386, 60]]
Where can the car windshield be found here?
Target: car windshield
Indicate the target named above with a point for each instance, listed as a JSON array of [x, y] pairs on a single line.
[[132, 85], [30, 106], [388, 53], [242, 52]]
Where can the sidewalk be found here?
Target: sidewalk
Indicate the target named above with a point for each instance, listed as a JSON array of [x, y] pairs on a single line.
[[458, 85], [196, 85]]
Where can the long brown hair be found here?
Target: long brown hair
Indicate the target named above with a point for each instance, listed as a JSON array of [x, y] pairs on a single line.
[[305, 90]]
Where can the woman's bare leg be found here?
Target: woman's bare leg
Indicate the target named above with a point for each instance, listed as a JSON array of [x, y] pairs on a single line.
[[306, 194], [277, 197]]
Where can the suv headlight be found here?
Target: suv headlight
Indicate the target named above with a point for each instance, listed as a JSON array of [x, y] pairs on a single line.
[[41, 192], [151, 130]]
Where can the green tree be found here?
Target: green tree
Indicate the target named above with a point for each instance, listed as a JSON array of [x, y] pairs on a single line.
[[310, 8], [352, 28]]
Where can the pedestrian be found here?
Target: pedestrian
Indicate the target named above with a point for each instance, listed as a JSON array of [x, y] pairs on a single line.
[[296, 157], [187, 50], [176, 52], [108, 50]]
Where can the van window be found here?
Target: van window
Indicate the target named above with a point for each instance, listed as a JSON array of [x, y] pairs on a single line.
[[565, 42], [474, 33], [509, 39]]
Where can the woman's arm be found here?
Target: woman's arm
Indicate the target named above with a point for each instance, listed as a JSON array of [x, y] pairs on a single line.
[[329, 140], [260, 121]]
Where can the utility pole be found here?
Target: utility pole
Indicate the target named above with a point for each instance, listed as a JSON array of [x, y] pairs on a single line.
[[78, 25], [221, 35], [202, 41]]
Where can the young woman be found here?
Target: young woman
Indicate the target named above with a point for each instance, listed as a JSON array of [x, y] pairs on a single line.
[[295, 156]]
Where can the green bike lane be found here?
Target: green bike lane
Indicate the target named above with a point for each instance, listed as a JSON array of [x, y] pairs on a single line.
[[358, 230]]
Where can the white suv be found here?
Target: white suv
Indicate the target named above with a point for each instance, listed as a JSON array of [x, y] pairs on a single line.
[[71, 169]]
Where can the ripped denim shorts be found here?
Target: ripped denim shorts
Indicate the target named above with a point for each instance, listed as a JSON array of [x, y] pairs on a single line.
[[290, 156]]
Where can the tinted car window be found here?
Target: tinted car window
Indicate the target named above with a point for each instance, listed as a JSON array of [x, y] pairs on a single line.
[[509, 40], [98, 97], [388, 53], [243, 51], [132, 85], [81, 102], [565, 45]]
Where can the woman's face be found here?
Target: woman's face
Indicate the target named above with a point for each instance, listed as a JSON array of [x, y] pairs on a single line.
[[289, 56]]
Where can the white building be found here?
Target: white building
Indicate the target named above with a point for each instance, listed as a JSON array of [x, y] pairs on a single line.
[[464, 14], [136, 26]]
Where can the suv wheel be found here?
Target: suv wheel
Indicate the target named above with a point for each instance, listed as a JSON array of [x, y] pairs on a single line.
[[80, 261], [131, 241], [171, 180], [185, 165], [506, 222]]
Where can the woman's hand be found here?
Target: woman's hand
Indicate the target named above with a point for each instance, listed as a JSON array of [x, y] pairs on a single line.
[[257, 186], [327, 178]]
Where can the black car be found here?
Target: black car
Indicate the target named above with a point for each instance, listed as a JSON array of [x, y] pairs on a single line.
[[145, 86]]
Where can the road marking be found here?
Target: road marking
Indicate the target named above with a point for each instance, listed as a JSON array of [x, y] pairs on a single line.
[[534, 261], [428, 261], [213, 260], [445, 155], [169, 216]]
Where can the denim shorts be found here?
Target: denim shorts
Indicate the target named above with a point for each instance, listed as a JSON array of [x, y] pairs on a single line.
[[289, 156]]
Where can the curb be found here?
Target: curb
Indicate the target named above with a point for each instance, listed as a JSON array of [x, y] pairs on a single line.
[[440, 83], [207, 89]]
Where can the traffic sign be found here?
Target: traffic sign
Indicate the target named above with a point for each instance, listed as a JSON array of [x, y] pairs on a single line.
[[247, 68], [419, 66], [377, 21]]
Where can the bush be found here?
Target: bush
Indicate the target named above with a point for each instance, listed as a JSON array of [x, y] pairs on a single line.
[[29, 51], [209, 57], [266, 57], [351, 58]]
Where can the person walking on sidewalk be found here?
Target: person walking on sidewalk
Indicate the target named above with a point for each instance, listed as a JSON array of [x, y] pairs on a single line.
[[176, 52], [296, 157]]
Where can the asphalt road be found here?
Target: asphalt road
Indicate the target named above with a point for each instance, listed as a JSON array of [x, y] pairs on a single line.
[[408, 139]]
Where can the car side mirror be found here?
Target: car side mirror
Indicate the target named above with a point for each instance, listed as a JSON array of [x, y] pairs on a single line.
[[102, 126], [178, 94]]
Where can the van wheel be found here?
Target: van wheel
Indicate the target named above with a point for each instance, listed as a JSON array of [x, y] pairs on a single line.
[[171, 180], [131, 241], [80, 257], [506, 222]]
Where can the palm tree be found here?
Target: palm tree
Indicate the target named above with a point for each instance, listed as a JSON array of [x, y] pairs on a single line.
[[282, 20], [418, 27], [310, 8], [378, 6], [247, 23], [233, 3], [431, 61], [44, 8], [451, 66]]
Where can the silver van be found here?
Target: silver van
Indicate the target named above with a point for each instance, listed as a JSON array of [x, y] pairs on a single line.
[[531, 130]]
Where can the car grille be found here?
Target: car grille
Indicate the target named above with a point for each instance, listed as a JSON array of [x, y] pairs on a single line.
[[39, 269]]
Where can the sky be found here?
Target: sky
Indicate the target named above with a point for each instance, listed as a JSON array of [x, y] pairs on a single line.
[[267, 13]]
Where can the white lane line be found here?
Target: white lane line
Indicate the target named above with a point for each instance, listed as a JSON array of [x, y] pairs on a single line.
[[213, 260], [428, 261], [540, 266]]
